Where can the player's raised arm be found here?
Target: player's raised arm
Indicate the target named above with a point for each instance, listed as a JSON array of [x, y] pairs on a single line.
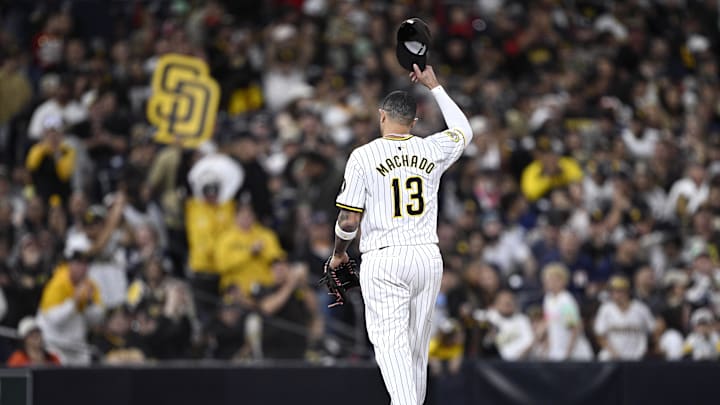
[[455, 119]]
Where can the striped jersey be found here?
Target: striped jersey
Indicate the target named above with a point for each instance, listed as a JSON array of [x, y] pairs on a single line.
[[394, 183]]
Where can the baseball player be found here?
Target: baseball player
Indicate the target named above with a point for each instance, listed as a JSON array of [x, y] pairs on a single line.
[[390, 190]]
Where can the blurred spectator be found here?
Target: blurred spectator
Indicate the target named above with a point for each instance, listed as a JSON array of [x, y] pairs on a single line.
[[318, 182], [625, 261], [291, 319], [445, 360], [108, 260], [676, 308], [70, 305], [51, 161], [667, 342], [16, 94], [688, 193], [145, 247], [207, 218], [506, 250], [16, 89], [703, 343], [164, 328], [117, 343], [105, 136], [30, 273], [548, 171], [152, 285], [245, 252], [539, 348], [568, 253], [645, 289], [32, 352], [705, 280], [477, 291], [227, 330], [167, 183], [62, 106], [566, 339], [514, 336], [446, 348], [622, 325], [246, 150], [318, 244], [704, 235]]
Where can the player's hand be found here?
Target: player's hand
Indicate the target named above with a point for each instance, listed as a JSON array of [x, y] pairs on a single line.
[[337, 260], [426, 77]]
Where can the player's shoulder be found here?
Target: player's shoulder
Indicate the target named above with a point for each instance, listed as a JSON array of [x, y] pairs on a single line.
[[452, 134]]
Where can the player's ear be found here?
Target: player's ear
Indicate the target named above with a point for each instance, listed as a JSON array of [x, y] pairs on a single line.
[[382, 115]]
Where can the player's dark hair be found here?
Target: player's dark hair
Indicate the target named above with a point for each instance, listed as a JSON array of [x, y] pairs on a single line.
[[400, 106]]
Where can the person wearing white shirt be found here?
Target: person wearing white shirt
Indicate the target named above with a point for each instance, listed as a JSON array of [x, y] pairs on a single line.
[[688, 193], [565, 337], [668, 342], [507, 250], [62, 104], [514, 336], [622, 324], [703, 343]]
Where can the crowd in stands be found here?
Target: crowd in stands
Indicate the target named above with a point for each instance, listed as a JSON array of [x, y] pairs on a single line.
[[581, 223]]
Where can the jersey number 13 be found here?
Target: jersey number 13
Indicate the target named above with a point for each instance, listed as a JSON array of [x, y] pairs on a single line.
[[414, 185]]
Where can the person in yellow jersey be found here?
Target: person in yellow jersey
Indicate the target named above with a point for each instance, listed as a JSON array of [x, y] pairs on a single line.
[[245, 253], [206, 218], [548, 171], [447, 348], [70, 304]]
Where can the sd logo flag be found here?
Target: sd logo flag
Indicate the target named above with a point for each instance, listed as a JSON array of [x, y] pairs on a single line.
[[184, 102]]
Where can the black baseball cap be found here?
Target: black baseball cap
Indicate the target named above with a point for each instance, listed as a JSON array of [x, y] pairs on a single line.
[[413, 41]]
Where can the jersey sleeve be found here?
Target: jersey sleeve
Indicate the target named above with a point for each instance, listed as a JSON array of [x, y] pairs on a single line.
[[451, 143], [353, 190]]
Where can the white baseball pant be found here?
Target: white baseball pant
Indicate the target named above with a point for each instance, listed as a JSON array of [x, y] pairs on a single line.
[[400, 285]]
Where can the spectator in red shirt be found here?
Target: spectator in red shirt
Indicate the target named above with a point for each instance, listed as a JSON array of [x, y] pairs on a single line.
[[32, 352]]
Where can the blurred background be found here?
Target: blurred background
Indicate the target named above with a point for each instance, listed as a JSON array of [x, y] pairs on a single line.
[[581, 223]]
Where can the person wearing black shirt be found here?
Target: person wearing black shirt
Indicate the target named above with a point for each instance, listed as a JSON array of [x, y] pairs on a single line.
[[289, 308]]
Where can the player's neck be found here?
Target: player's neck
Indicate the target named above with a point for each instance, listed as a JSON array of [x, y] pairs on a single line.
[[397, 132]]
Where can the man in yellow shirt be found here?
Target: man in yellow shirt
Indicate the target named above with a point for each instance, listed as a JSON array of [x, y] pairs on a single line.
[[548, 171], [244, 254], [206, 218], [70, 304]]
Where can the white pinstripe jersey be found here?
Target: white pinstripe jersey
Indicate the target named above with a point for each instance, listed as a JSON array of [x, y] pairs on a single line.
[[394, 182]]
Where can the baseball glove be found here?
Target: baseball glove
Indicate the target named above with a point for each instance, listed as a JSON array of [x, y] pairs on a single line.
[[338, 281]]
